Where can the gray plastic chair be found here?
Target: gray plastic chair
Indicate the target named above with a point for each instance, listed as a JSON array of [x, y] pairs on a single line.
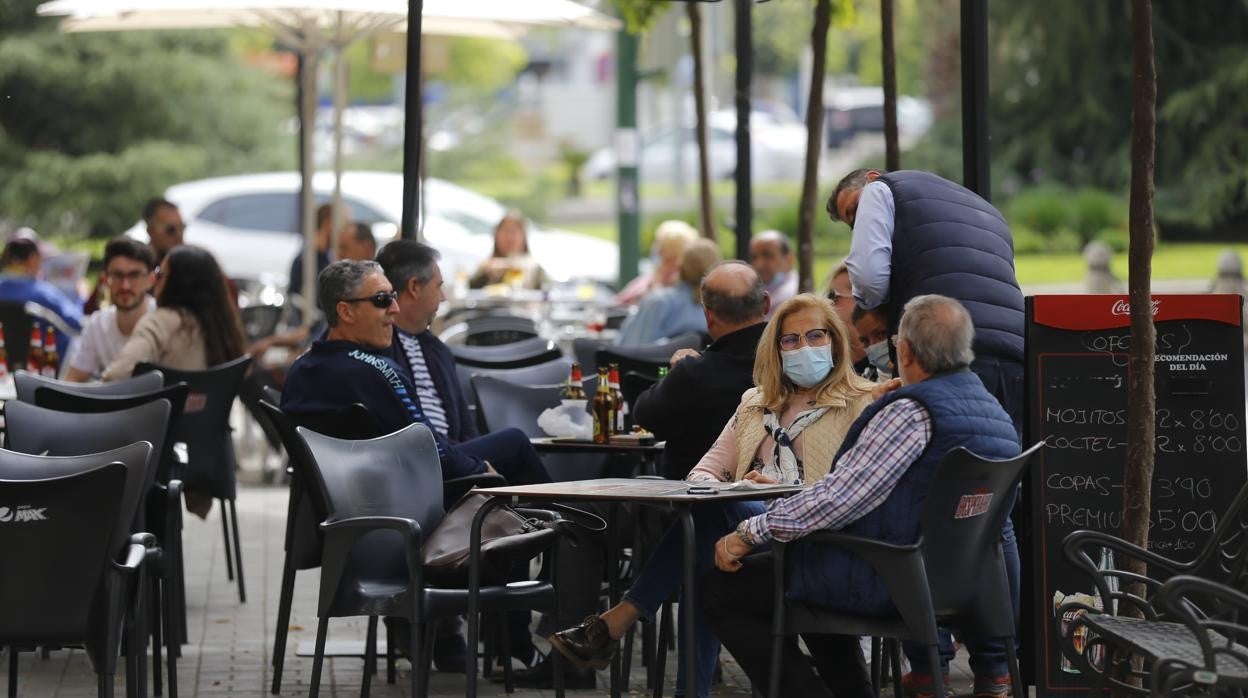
[[27, 383]]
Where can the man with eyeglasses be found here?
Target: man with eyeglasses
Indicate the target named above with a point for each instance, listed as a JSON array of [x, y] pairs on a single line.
[[129, 273]]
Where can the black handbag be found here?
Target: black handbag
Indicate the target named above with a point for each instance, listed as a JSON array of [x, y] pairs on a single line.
[[508, 538]]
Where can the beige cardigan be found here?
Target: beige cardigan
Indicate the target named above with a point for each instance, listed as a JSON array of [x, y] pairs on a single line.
[[819, 441], [165, 336]]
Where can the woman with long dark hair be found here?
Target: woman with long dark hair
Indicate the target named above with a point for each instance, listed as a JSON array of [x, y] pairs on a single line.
[[195, 324]]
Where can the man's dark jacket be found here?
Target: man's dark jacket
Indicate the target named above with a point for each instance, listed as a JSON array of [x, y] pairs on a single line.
[[336, 373], [690, 407], [441, 366]]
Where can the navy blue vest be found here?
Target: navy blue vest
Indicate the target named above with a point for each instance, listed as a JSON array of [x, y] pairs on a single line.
[[948, 240], [962, 413]]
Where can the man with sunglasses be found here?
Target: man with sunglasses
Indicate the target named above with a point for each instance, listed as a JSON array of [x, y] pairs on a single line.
[[353, 364], [165, 228], [129, 273]]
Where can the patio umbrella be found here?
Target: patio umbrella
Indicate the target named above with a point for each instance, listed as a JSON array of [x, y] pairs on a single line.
[[311, 26]]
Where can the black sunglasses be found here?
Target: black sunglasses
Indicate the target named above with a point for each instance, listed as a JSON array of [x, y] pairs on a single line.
[[381, 299]]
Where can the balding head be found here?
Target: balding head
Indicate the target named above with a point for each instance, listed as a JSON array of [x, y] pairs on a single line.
[[733, 298]]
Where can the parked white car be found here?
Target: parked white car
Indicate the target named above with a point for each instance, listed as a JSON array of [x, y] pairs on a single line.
[[250, 223]]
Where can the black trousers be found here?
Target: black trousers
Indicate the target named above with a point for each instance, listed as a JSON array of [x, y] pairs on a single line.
[[738, 607]]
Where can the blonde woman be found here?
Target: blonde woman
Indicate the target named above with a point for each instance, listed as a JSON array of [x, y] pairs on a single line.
[[671, 239], [787, 429]]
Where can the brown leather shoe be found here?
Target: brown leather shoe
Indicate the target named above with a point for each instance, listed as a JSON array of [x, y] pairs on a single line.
[[586, 646]]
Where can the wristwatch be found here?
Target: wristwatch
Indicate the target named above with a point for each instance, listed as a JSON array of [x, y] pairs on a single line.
[[743, 532]]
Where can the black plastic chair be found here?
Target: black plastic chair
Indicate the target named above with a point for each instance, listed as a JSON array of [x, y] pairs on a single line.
[[527, 352], [260, 321], [490, 330], [36, 430], [1223, 560], [633, 362], [505, 404], [953, 576], [18, 318], [80, 567], [164, 500], [384, 499], [205, 429], [26, 383], [305, 512], [1205, 649]]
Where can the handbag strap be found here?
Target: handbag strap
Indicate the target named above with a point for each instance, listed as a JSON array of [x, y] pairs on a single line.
[[577, 525]]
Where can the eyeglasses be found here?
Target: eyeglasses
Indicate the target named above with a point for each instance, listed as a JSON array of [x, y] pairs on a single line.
[[814, 338], [381, 299], [116, 277], [174, 229]]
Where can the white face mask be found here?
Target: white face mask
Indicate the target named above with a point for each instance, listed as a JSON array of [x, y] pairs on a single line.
[[807, 366], [877, 354]]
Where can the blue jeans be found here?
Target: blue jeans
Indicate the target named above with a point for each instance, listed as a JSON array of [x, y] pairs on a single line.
[[664, 574], [987, 654], [510, 453]]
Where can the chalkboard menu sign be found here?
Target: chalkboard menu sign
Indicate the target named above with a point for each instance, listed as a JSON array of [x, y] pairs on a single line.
[[1077, 404]]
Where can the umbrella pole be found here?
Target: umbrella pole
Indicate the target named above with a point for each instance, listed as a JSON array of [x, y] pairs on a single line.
[[412, 126], [340, 104], [307, 116]]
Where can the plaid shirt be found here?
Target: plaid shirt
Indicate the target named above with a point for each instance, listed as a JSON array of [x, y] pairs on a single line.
[[860, 481]]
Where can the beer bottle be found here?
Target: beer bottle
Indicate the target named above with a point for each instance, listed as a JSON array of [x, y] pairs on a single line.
[[34, 355], [621, 408], [575, 389], [51, 362], [4, 355], [603, 414], [662, 372]]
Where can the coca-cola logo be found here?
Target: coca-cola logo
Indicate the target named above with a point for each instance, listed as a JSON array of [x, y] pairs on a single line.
[[1121, 307]]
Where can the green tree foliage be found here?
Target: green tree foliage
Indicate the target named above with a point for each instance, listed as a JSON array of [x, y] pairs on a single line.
[[1060, 102], [853, 42], [92, 125]]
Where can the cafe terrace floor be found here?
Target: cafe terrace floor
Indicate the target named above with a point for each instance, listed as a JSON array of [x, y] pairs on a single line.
[[230, 643]]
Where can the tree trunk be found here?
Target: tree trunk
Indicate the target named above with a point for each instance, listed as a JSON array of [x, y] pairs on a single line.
[[814, 147], [706, 211], [892, 149], [1141, 404]]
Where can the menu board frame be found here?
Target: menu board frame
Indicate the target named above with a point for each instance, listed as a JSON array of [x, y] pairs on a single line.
[[1076, 363]]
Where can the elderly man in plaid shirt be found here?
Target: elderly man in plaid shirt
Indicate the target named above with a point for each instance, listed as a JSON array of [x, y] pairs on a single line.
[[876, 489]]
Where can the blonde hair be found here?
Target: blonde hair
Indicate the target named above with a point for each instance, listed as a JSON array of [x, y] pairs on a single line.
[[829, 286], [696, 262], [672, 238], [769, 368]]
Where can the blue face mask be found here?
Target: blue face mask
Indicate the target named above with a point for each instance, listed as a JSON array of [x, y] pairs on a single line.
[[808, 366], [877, 354]]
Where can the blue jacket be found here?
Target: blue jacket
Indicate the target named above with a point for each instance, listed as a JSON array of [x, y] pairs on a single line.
[[336, 373], [948, 240], [963, 413], [441, 365], [666, 312]]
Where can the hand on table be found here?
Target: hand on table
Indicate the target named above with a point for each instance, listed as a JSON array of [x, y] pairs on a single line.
[[756, 476], [728, 552]]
